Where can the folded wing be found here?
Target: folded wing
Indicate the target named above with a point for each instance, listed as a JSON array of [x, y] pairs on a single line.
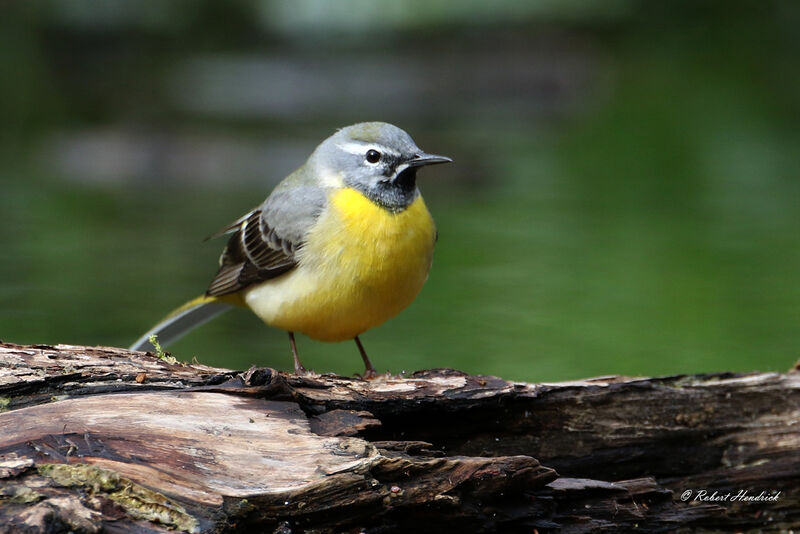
[[264, 243]]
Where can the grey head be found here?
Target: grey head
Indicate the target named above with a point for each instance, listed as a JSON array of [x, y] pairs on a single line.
[[378, 159]]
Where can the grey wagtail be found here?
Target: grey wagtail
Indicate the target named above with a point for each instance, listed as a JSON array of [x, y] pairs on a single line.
[[341, 245]]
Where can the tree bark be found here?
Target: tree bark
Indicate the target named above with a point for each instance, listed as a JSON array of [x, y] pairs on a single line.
[[96, 439]]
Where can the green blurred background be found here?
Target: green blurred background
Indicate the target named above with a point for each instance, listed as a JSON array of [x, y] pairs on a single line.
[[625, 196]]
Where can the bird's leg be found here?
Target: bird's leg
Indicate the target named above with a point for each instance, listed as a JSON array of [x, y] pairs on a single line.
[[369, 371], [298, 367]]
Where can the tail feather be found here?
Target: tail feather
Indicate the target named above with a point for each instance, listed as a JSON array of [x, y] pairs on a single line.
[[182, 320]]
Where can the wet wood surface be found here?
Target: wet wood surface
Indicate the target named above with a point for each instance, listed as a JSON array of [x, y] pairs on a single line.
[[96, 439]]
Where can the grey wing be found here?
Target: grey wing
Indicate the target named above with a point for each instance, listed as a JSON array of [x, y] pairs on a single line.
[[267, 239]]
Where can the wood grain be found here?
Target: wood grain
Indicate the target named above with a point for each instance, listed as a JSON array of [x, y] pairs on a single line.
[[101, 439]]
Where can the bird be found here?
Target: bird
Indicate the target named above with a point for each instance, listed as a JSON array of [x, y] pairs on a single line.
[[341, 245]]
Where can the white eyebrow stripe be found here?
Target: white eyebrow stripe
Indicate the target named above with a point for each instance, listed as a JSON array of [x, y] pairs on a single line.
[[354, 147]]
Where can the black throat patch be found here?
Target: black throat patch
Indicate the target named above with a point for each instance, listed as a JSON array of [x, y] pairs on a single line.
[[395, 195]]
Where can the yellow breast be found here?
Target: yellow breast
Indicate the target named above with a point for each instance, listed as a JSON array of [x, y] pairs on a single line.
[[360, 266]]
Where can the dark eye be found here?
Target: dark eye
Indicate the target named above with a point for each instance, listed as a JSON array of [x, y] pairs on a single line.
[[373, 156]]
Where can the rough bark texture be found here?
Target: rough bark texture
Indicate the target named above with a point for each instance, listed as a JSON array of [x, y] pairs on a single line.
[[100, 439]]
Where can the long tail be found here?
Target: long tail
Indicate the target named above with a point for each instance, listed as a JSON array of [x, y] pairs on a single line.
[[182, 320]]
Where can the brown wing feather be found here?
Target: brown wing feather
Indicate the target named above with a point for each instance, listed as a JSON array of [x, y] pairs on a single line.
[[253, 254]]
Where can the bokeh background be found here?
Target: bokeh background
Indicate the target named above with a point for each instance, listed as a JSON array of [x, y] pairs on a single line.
[[625, 197]]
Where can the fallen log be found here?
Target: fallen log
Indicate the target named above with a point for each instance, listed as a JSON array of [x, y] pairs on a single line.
[[101, 439]]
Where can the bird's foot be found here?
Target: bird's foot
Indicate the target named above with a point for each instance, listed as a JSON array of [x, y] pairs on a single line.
[[371, 374], [302, 371]]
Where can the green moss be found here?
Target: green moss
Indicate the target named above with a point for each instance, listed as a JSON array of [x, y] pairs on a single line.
[[143, 503], [4, 402], [17, 494], [160, 352], [138, 501], [25, 496], [93, 478]]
